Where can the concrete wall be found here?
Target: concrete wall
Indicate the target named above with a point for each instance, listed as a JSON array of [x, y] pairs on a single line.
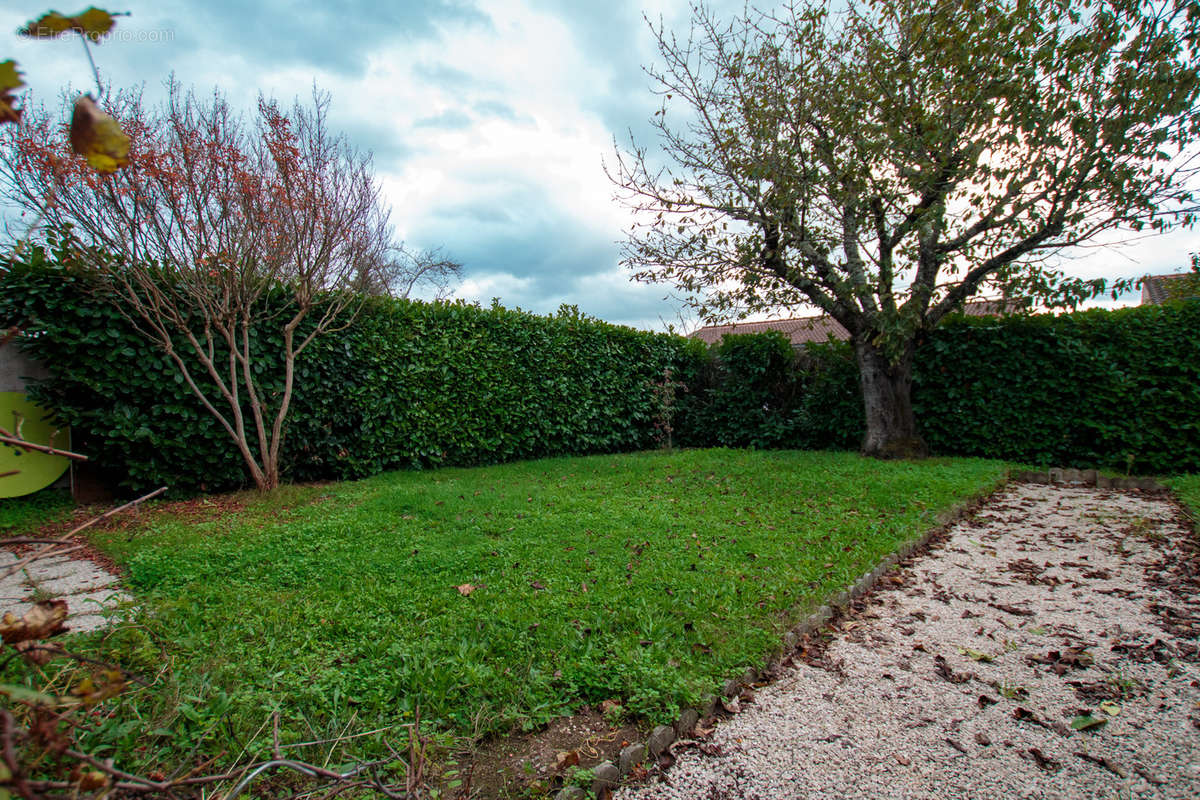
[[15, 368]]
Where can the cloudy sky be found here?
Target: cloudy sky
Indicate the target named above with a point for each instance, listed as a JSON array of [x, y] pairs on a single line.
[[489, 121]]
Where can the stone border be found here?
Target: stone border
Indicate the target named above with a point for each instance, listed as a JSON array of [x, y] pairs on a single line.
[[1089, 477], [609, 775]]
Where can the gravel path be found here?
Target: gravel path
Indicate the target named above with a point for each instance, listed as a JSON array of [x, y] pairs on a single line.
[[961, 675], [87, 586]]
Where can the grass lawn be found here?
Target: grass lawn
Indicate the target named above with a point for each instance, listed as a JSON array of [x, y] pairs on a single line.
[[18, 514], [1187, 487], [649, 577]]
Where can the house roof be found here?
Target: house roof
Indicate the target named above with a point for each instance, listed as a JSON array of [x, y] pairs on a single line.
[[1157, 289], [802, 330]]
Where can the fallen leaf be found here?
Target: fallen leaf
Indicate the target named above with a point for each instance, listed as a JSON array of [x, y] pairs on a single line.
[[1110, 708], [99, 687], [567, 758], [465, 589], [538, 585], [975, 655], [44, 620], [1107, 763], [1086, 722], [956, 745], [1043, 761], [98, 137], [943, 669], [1011, 609]]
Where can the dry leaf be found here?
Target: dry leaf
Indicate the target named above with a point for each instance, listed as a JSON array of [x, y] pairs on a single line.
[[93, 23], [568, 758], [42, 621], [465, 589], [101, 686], [10, 79], [98, 137]]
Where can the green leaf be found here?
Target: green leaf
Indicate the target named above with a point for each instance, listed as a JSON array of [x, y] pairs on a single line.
[[22, 694], [1087, 722]]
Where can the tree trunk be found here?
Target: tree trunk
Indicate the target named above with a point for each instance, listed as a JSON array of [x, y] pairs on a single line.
[[887, 400]]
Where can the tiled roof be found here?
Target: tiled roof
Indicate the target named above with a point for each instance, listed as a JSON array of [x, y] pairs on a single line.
[[802, 330], [1157, 289], [799, 329]]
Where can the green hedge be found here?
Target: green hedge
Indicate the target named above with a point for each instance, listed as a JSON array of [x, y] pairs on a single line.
[[755, 390], [409, 384], [417, 384], [1097, 388], [1117, 389]]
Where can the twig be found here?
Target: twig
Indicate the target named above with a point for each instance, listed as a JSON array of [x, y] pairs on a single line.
[[1107, 763], [95, 72], [337, 739], [7, 438], [13, 569]]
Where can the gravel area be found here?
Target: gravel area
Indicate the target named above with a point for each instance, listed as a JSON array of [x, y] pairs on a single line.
[[963, 673]]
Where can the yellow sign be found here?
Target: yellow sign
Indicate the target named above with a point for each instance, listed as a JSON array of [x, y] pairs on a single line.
[[26, 471]]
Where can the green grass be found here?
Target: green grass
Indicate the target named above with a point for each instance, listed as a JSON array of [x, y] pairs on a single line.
[[20, 514], [1187, 488], [649, 577]]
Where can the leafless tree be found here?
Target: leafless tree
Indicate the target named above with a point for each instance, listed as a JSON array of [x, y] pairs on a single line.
[[231, 243]]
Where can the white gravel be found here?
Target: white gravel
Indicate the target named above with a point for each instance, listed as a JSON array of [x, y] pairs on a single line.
[[869, 715]]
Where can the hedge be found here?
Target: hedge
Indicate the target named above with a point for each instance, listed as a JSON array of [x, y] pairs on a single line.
[[409, 384], [1117, 389], [414, 384]]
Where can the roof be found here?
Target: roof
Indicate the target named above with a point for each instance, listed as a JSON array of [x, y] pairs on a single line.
[[803, 330], [1158, 289]]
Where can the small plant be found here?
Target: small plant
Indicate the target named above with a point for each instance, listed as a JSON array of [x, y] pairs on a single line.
[[1123, 686], [1011, 691], [663, 395], [614, 714]]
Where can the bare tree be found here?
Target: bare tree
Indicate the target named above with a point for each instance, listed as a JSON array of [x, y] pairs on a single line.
[[886, 162], [218, 228], [403, 272]]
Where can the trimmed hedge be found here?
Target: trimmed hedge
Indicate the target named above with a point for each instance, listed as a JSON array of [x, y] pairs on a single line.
[[414, 384], [1117, 389], [410, 384]]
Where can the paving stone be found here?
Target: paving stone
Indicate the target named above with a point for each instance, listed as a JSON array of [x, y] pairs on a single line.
[[86, 579], [86, 622], [686, 726], [607, 776], [94, 601], [631, 756], [48, 569], [660, 739], [16, 609]]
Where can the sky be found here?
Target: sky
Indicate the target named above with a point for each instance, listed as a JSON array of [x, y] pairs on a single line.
[[489, 121]]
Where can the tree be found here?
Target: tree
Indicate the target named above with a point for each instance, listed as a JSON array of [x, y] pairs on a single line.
[[213, 218], [888, 162], [404, 271]]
